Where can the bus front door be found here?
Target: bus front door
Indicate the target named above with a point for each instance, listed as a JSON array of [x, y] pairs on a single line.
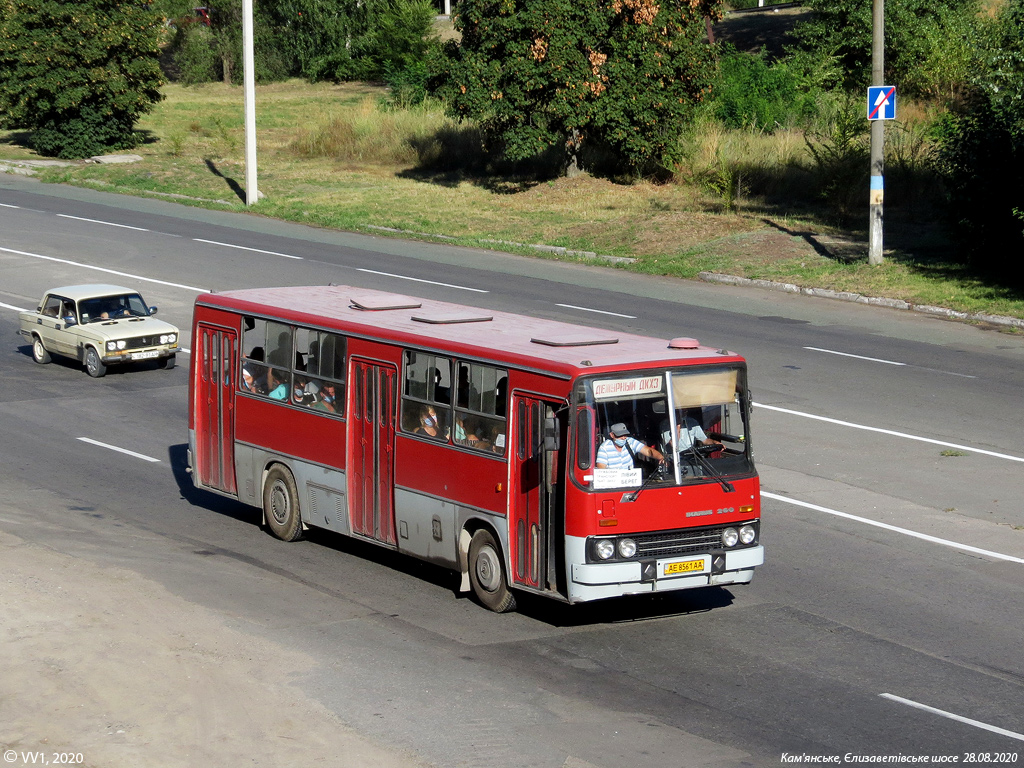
[[215, 400], [371, 452], [536, 493]]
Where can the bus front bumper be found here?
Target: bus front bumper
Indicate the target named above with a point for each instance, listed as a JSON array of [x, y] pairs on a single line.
[[596, 581]]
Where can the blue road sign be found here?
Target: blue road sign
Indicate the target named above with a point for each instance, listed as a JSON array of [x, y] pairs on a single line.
[[882, 102]]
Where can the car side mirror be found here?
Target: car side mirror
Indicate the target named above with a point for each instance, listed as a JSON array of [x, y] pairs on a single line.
[[152, 310], [69, 321]]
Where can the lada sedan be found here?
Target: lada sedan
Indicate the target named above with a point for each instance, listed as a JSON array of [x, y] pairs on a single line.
[[98, 325]]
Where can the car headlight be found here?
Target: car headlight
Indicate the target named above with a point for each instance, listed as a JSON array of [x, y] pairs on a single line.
[[171, 338], [730, 536], [111, 346], [604, 548], [122, 344], [164, 339], [627, 548], [747, 534]]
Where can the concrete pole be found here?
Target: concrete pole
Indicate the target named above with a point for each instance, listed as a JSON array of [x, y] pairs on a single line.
[[877, 138], [249, 86]]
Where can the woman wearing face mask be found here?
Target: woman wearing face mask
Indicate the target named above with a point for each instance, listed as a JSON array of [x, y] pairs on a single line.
[[429, 425], [619, 450]]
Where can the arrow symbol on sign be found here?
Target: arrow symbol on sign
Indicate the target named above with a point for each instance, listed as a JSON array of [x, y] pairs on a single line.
[[880, 101]]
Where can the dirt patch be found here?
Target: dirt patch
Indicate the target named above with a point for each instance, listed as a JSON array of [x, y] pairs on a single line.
[[100, 661]]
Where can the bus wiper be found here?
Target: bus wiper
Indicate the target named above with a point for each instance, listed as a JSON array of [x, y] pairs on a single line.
[[710, 470], [628, 497]]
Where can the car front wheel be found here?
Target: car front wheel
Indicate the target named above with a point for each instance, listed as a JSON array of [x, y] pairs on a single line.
[[39, 353], [93, 365]]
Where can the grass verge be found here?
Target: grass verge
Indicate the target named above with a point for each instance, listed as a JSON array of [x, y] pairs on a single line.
[[330, 156]]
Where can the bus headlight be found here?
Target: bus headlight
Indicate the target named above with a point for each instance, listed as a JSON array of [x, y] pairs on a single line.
[[747, 534], [627, 548], [604, 548], [730, 536]]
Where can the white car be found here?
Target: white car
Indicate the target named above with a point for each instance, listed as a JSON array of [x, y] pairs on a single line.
[[98, 325]]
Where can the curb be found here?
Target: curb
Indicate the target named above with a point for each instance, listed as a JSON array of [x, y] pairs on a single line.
[[825, 293]]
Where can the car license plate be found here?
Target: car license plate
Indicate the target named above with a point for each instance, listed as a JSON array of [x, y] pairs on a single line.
[[145, 355], [684, 566]]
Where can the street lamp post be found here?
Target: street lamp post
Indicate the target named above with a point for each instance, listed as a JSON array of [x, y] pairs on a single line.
[[249, 86]]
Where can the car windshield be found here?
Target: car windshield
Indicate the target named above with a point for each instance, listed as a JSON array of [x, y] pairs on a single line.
[[695, 418], [112, 307]]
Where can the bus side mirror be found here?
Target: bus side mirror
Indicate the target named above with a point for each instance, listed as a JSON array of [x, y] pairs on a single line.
[[551, 441]]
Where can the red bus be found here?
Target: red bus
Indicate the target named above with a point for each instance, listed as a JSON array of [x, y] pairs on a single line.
[[479, 440]]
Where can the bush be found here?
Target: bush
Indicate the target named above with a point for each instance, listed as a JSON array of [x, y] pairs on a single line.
[[195, 55], [754, 93]]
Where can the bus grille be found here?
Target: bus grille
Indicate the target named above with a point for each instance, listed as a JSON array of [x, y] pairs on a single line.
[[680, 542]]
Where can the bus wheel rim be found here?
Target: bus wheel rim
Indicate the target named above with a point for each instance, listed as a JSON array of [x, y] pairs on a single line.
[[488, 569], [279, 506]]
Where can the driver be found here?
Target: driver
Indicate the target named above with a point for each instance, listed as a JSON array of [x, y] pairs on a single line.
[[619, 450]]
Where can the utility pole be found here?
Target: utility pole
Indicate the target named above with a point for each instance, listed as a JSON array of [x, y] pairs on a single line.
[[249, 86], [877, 137]]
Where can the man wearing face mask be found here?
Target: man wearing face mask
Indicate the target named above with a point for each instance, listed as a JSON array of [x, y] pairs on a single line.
[[620, 450]]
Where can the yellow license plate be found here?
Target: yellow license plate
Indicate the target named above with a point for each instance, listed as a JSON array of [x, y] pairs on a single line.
[[687, 566]]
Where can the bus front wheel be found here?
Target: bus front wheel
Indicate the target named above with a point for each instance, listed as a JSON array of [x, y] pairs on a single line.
[[487, 573], [281, 505]]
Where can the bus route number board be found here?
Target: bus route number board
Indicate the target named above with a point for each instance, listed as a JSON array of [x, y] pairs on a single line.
[[684, 567]]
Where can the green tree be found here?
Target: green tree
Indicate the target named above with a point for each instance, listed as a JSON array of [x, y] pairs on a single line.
[[981, 154], [928, 43], [78, 73], [541, 74]]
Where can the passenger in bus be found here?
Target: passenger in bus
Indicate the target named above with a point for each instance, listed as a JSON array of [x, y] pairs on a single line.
[[620, 450], [326, 401], [277, 389], [429, 424], [254, 378], [688, 431]]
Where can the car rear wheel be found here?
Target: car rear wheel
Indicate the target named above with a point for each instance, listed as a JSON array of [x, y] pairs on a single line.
[[93, 365], [39, 353]]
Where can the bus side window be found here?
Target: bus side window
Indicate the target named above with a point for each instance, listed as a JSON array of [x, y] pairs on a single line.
[[426, 394], [480, 394]]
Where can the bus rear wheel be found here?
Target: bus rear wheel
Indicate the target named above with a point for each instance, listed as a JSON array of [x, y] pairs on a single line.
[[281, 505], [487, 573]]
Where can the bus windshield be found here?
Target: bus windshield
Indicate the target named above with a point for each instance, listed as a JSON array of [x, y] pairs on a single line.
[[664, 428]]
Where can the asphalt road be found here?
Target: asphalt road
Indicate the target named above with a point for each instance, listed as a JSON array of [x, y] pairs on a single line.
[[887, 619]]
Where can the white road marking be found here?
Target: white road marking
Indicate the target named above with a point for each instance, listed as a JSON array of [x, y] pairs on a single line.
[[5, 205], [598, 311], [859, 357], [886, 526], [951, 716], [418, 280], [890, 432], [97, 221], [119, 450], [244, 248], [108, 271], [9, 306]]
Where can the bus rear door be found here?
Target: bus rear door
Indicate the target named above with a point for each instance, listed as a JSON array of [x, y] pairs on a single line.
[[215, 406]]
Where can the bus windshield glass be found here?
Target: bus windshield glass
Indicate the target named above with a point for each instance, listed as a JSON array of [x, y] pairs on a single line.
[[663, 428]]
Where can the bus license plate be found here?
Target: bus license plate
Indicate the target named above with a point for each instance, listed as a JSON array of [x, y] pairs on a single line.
[[684, 566], [145, 355]]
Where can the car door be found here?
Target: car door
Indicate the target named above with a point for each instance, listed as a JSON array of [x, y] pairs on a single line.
[[50, 325]]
